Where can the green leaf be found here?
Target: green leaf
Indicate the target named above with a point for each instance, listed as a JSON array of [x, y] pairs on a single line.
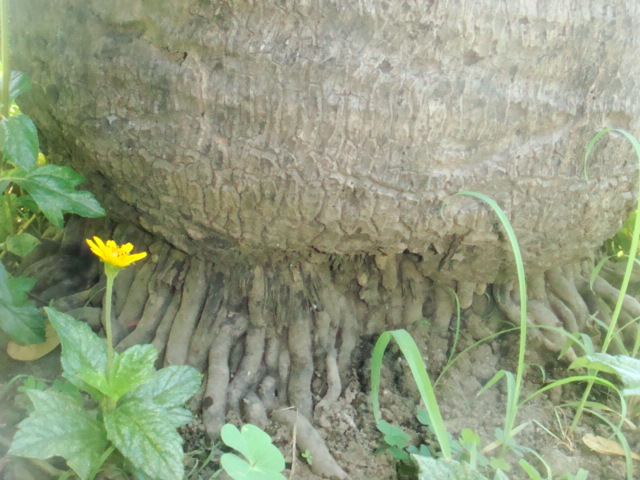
[[141, 432], [19, 141], [59, 426], [8, 215], [131, 368], [20, 287], [445, 469], [19, 318], [262, 456], [170, 388], [53, 189], [628, 368], [469, 437], [22, 244], [393, 435], [84, 354], [19, 83]]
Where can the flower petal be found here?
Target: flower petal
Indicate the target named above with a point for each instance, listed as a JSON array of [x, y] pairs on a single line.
[[114, 255]]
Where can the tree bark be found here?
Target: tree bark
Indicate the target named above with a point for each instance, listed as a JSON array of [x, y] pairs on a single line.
[[289, 162], [341, 127]]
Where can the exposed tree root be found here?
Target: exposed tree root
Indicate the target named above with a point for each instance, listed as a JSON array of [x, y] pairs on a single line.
[[280, 332]]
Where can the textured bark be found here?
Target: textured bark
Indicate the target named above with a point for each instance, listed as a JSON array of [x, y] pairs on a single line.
[[341, 126], [291, 159]]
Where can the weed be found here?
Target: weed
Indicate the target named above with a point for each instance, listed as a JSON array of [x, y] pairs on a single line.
[[307, 457], [633, 248], [467, 447], [134, 411], [261, 458]]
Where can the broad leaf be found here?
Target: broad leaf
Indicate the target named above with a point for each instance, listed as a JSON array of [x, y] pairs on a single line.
[[142, 434], [445, 469], [170, 387], [53, 189], [256, 446], [628, 368], [132, 368], [59, 426], [19, 83], [20, 287], [239, 469], [19, 318], [22, 244], [19, 141], [83, 351], [393, 435]]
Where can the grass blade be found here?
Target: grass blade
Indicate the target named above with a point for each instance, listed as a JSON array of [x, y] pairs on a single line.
[[412, 354]]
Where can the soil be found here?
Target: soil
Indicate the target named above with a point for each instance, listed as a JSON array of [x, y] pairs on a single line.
[[348, 427]]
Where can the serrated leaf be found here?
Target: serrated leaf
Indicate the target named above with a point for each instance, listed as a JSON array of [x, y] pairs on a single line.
[[19, 141], [256, 447], [22, 244], [19, 318], [19, 83], [170, 388], [53, 189], [445, 469], [59, 426], [83, 351], [131, 368], [140, 431]]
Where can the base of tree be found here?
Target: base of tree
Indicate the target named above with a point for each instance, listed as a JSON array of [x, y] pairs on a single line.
[[284, 331]]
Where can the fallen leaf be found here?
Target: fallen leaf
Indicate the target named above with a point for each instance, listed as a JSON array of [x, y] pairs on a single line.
[[606, 446], [26, 353]]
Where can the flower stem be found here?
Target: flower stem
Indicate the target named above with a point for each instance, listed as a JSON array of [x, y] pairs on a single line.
[[111, 276]]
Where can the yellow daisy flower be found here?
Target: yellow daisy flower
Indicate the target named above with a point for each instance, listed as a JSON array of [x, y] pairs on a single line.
[[112, 254]]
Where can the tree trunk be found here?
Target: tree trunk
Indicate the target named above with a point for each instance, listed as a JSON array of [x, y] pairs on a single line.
[[291, 159]]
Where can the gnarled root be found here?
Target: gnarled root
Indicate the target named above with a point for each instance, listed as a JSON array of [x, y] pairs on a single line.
[[280, 332], [562, 299]]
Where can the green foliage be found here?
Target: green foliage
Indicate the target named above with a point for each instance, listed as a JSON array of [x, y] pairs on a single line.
[[262, 460], [19, 317], [396, 440], [445, 469], [626, 367], [468, 444], [620, 244], [29, 189], [19, 141], [307, 457], [18, 84], [59, 426], [412, 354], [139, 408], [52, 187]]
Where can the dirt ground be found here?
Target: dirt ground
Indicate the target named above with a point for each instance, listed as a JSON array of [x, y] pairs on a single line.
[[348, 427]]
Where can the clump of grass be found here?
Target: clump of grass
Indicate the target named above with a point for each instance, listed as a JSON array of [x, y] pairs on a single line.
[[633, 248], [411, 353]]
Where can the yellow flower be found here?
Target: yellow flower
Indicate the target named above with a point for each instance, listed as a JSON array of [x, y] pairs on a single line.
[[112, 254]]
